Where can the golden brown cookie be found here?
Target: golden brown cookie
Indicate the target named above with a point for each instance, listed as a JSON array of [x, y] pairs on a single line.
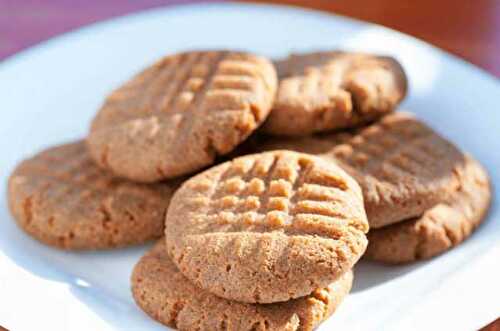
[[62, 199], [441, 227], [170, 298], [267, 227], [403, 167], [176, 116], [332, 90]]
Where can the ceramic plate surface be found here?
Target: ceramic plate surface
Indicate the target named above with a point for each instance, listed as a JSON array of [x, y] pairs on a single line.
[[50, 92]]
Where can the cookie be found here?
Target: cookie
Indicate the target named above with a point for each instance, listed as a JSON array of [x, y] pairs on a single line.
[[403, 167], [170, 298], [176, 116], [267, 227], [62, 199], [332, 90], [440, 228]]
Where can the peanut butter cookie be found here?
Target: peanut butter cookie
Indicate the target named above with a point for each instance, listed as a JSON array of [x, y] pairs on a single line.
[[333, 90], [61, 198], [176, 116], [171, 299], [267, 227], [403, 167], [440, 228]]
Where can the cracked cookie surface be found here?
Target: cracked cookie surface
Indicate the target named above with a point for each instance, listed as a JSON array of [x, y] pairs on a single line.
[[267, 227], [403, 167], [441, 227], [61, 198], [169, 297], [176, 116], [332, 90]]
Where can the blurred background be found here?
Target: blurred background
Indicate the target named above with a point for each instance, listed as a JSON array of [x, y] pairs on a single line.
[[467, 28]]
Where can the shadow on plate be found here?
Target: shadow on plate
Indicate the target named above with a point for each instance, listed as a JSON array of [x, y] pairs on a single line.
[[369, 274], [121, 316]]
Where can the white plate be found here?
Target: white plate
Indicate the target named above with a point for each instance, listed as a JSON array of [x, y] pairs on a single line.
[[50, 92]]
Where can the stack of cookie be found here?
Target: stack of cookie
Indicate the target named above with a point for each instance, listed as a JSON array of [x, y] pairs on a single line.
[[421, 194], [268, 240]]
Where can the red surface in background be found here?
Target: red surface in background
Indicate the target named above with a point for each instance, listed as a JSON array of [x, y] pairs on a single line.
[[467, 28], [27, 22]]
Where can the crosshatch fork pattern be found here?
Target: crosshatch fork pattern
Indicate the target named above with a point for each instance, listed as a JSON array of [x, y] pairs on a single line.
[[402, 165], [179, 84], [195, 104], [388, 150], [63, 199], [398, 147], [70, 168], [333, 90], [267, 227], [286, 191]]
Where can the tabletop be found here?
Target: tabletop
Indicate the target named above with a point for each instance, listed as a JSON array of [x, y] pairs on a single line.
[[467, 28]]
